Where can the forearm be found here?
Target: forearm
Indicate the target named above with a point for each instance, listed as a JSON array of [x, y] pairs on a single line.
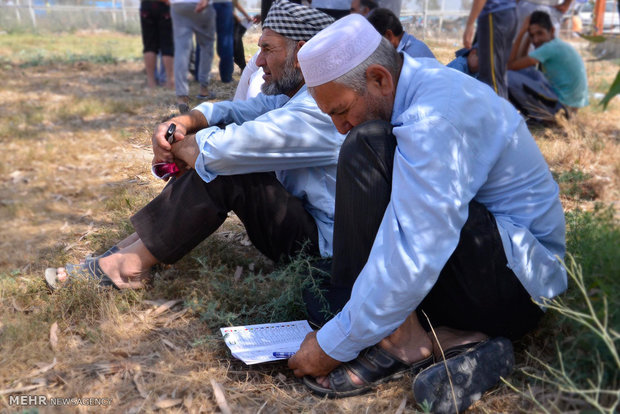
[[193, 121], [476, 8], [517, 48]]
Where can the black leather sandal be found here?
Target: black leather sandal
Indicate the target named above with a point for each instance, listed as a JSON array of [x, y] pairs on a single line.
[[373, 366]]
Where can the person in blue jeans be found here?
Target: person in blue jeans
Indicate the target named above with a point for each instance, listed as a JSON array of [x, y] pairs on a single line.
[[225, 37]]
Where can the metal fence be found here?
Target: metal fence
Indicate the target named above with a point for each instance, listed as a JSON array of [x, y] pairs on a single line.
[[123, 15]]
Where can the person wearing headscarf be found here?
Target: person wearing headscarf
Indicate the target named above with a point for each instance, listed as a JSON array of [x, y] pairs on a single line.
[[273, 162]]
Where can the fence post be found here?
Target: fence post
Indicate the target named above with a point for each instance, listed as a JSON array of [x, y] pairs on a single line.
[[32, 16], [18, 16], [424, 18], [114, 12], [443, 8], [124, 13]]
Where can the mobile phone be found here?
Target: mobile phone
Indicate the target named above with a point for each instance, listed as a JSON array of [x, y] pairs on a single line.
[[170, 133]]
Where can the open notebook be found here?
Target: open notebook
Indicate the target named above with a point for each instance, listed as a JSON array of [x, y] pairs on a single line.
[[254, 344]]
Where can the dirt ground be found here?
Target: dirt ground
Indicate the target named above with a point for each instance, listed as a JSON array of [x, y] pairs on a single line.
[[75, 139]]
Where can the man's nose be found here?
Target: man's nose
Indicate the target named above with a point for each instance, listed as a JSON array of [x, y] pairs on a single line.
[[342, 125], [260, 60]]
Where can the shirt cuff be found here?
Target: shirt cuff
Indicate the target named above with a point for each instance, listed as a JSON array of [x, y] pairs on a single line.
[[202, 138], [207, 110], [335, 343]]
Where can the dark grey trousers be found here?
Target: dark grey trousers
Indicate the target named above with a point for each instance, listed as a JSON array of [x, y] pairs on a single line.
[[475, 290], [494, 35]]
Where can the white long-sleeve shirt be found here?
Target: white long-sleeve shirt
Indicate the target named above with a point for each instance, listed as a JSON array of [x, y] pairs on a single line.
[[456, 141], [272, 133]]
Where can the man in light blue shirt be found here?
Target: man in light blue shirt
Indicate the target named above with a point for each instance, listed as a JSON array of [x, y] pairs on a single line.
[[389, 26], [273, 164], [471, 229]]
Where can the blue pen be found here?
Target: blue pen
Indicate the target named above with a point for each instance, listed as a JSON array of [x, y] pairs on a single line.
[[283, 354]]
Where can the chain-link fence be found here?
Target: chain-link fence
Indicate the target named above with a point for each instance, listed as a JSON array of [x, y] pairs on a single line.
[[424, 18]]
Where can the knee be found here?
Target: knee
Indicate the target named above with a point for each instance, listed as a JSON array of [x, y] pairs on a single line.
[[375, 136]]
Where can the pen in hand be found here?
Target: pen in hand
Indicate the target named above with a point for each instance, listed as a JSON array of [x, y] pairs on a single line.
[[283, 354]]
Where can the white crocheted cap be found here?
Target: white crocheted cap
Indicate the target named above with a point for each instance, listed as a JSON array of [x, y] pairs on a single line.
[[337, 49]]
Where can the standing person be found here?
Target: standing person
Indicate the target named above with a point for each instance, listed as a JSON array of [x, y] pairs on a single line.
[[225, 28], [241, 24], [192, 17], [156, 26], [497, 25]]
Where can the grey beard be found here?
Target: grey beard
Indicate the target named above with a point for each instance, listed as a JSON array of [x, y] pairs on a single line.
[[291, 79]]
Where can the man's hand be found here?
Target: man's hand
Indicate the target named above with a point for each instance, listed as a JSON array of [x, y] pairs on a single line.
[[563, 8], [201, 5], [311, 360], [161, 146], [186, 150]]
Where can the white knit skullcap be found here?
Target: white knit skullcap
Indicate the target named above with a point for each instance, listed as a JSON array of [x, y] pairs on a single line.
[[337, 49]]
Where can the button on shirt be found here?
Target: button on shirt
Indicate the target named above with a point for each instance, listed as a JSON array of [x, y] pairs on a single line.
[[456, 141], [414, 47], [272, 133]]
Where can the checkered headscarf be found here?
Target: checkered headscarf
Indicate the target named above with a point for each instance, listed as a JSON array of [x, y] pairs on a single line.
[[295, 21]]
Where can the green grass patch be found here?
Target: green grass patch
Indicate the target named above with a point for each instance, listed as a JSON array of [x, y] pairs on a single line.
[[27, 49], [584, 375], [574, 184]]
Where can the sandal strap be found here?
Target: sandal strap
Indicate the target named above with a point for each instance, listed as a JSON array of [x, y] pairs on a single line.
[[91, 270], [340, 380], [376, 364]]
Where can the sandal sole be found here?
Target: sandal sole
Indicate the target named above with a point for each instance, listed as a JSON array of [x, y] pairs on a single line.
[[472, 372]]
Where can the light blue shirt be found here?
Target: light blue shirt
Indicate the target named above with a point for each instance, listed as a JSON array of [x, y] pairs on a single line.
[[414, 47], [272, 133], [565, 71], [455, 143]]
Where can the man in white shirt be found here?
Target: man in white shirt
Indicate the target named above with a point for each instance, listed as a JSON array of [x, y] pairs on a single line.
[[470, 231], [273, 164]]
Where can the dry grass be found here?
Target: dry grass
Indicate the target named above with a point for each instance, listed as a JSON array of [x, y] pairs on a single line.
[[75, 134]]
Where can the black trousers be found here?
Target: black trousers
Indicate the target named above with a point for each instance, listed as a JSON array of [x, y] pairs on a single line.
[[475, 290], [188, 210]]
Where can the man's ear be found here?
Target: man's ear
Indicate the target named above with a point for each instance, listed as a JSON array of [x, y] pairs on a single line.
[[299, 45], [393, 39], [379, 80]]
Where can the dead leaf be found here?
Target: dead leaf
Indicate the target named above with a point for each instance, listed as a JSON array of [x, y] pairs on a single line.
[[170, 344], [401, 407], [121, 353], [238, 272], [54, 336], [281, 377], [220, 397], [41, 370], [137, 380], [166, 306], [168, 403], [22, 389], [187, 401]]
